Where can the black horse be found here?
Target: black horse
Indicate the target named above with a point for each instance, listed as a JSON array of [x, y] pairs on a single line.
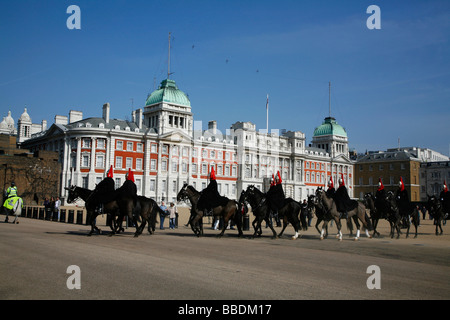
[[436, 210], [121, 205], [260, 208], [383, 209], [230, 211]]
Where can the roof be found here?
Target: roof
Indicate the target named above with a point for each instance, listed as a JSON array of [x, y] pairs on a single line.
[[330, 127], [168, 92]]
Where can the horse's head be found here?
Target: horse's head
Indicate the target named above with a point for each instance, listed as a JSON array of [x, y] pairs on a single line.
[[73, 195], [392, 203], [183, 194]]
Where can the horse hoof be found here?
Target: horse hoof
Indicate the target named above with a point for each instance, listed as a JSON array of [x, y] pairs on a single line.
[[321, 238], [356, 239]]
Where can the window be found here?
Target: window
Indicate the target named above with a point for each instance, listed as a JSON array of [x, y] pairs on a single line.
[[129, 163], [129, 146], [152, 185], [139, 164], [153, 148], [165, 149], [85, 182], [85, 161], [117, 183], [119, 145], [118, 162], [138, 185], [174, 166], [153, 164], [101, 143], [139, 147], [100, 161], [164, 165], [86, 143]]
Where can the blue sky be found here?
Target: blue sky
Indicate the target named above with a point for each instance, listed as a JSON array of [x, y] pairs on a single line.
[[387, 84]]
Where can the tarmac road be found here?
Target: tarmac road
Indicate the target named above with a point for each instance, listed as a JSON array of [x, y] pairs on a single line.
[[176, 265]]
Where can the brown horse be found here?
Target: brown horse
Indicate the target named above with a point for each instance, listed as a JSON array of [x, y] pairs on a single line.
[[332, 213], [228, 212]]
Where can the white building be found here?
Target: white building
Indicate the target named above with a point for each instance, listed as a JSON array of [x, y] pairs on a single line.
[[165, 148]]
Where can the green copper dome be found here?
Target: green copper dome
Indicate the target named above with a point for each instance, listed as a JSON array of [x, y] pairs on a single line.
[[168, 92], [330, 127]]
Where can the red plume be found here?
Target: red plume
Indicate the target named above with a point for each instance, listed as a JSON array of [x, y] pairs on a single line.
[[110, 172]]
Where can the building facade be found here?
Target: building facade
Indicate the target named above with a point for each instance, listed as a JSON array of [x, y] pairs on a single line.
[[165, 148], [432, 178], [389, 166]]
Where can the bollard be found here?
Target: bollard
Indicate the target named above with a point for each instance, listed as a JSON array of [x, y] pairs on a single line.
[[71, 216], [35, 212], [48, 214], [62, 216], [79, 216], [246, 223], [29, 212], [41, 213]]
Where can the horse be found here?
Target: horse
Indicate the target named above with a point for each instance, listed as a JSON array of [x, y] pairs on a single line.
[[320, 212], [229, 211], [291, 213], [386, 209], [358, 213], [120, 206], [436, 210], [13, 205], [260, 208]]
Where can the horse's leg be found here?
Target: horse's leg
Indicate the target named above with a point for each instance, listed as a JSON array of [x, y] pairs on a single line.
[[358, 226], [338, 226], [317, 224], [324, 231], [285, 224], [375, 224], [226, 219], [271, 227]]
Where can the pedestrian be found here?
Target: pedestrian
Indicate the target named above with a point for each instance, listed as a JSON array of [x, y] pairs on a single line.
[[11, 193], [162, 216], [57, 205], [172, 215]]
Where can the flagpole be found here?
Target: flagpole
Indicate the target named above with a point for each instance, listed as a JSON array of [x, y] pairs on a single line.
[[267, 113]]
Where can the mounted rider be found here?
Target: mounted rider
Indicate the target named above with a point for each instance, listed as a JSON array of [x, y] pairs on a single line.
[[275, 195], [380, 199], [12, 202], [343, 202], [402, 199], [445, 200], [210, 197], [330, 191], [104, 191]]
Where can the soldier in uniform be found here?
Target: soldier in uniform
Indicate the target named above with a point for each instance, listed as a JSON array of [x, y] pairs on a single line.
[[402, 199], [445, 200], [343, 202], [380, 199], [210, 197]]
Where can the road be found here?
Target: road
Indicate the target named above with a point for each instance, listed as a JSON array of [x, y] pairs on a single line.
[[175, 265]]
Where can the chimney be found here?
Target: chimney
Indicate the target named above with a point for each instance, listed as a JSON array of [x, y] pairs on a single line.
[[60, 119], [75, 116], [212, 126], [138, 118], [44, 125], [106, 112]]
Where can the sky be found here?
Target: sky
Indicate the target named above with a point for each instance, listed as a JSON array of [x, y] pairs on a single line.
[[388, 86]]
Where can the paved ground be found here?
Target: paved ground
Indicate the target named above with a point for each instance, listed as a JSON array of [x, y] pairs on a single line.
[[175, 265]]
